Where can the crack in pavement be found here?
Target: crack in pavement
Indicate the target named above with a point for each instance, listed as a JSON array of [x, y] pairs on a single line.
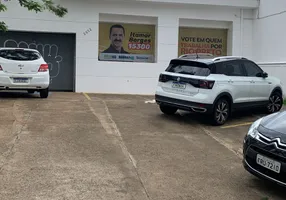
[[17, 134], [111, 128], [222, 142]]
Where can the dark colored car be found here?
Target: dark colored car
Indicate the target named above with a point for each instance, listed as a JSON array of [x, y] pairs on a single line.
[[264, 148]]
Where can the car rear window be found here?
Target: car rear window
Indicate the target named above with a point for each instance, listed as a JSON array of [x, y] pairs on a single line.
[[188, 67], [15, 54]]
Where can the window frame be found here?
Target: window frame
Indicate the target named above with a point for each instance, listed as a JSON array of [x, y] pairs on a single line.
[[244, 62], [241, 67]]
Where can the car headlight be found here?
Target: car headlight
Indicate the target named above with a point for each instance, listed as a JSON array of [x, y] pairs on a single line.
[[253, 128]]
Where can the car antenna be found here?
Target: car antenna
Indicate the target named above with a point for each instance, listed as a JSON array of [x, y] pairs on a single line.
[[197, 53]]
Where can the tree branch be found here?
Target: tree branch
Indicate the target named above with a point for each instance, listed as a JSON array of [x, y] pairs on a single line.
[[3, 26], [36, 6]]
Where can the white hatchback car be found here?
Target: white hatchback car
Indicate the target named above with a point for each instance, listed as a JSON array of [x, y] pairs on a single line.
[[217, 86], [24, 69]]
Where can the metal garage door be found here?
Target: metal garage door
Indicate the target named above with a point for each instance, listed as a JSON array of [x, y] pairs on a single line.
[[57, 49]]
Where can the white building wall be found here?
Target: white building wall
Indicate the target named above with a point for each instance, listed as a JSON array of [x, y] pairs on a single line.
[[247, 33], [269, 38], [269, 31], [231, 3], [121, 77]]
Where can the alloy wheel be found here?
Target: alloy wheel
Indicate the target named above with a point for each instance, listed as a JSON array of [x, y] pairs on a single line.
[[275, 103], [221, 113]]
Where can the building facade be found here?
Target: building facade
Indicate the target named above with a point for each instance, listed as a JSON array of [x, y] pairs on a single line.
[[86, 55], [268, 37]]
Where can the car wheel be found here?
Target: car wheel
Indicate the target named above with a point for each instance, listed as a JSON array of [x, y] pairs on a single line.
[[31, 91], [221, 112], [44, 93], [275, 103], [168, 110]]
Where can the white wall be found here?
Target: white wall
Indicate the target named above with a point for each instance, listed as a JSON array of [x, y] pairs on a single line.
[[237, 3], [269, 31], [118, 77], [247, 32], [269, 38]]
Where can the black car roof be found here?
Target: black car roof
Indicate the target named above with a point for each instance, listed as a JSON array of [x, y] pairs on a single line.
[[210, 60]]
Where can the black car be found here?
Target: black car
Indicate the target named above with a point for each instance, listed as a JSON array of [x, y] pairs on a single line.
[[264, 148]]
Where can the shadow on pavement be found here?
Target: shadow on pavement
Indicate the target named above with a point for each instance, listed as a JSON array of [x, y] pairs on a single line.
[[271, 188], [195, 118], [18, 94]]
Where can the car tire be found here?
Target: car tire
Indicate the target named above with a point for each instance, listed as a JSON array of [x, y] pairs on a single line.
[[221, 112], [31, 91], [168, 109], [275, 103], [44, 93]]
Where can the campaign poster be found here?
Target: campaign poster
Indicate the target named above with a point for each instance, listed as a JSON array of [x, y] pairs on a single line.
[[202, 40], [126, 42]]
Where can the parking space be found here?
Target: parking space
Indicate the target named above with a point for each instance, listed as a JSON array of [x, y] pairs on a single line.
[[92, 146]]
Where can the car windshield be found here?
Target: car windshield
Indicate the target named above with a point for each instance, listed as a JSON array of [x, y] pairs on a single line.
[[188, 67], [14, 54]]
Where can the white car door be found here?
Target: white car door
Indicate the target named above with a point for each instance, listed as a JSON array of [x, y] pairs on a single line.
[[260, 86], [237, 80]]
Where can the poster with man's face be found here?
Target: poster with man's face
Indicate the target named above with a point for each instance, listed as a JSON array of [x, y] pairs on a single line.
[[126, 42], [117, 38]]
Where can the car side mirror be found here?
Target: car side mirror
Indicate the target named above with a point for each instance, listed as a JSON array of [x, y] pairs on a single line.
[[264, 75]]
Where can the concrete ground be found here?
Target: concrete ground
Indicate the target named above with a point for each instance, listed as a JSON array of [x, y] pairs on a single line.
[[77, 146]]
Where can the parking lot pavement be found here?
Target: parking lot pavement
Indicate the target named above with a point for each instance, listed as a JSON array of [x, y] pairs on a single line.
[[76, 146], [56, 148]]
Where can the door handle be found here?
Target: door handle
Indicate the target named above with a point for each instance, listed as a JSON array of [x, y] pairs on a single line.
[[230, 81], [252, 81]]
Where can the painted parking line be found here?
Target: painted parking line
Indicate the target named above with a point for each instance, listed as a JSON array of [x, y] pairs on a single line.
[[237, 125], [86, 95], [151, 101]]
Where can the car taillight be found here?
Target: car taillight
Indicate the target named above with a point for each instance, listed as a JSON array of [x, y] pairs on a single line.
[[43, 68], [206, 84], [1, 69], [163, 78]]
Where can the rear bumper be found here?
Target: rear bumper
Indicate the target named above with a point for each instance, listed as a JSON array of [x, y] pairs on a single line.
[[183, 104], [35, 81]]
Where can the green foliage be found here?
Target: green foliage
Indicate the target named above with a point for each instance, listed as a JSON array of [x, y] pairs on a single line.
[[36, 6]]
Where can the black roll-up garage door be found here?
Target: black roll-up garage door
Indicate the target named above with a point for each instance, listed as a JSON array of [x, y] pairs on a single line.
[[58, 49]]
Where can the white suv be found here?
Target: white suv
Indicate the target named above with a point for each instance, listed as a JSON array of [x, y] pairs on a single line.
[[24, 69], [216, 86]]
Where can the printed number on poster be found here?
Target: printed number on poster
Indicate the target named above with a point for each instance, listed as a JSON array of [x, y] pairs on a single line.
[[139, 46]]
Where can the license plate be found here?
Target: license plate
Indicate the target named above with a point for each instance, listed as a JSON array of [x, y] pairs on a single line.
[[20, 80], [268, 163], [178, 85]]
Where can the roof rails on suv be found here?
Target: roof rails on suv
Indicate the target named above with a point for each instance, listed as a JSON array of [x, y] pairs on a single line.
[[209, 56], [227, 57], [197, 56]]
